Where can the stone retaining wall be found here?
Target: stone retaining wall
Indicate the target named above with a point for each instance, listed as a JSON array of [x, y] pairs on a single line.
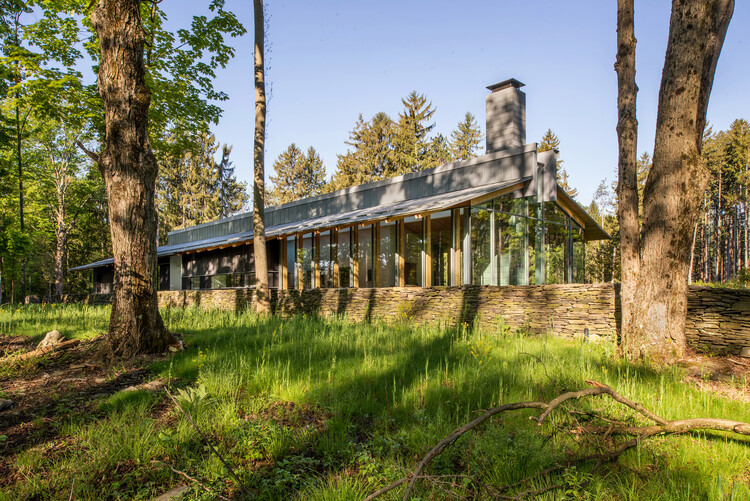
[[718, 320]]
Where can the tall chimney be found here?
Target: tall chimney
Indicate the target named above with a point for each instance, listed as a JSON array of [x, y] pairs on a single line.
[[506, 116]]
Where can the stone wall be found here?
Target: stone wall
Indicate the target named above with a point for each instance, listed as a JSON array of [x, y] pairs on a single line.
[[718, 320]]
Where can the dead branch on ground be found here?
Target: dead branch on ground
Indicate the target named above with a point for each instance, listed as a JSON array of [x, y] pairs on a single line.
[[65, 345], [614, 428]]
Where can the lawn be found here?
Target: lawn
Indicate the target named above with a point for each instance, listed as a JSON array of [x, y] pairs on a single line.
[[313, 409]]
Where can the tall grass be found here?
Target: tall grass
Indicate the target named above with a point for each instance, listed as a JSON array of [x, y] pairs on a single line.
[[368, 400]]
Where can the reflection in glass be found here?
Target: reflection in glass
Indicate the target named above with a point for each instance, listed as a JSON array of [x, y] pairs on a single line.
[[556, 254], [365, 256], [326, 260], [579, 255], [481, 259], [305, 258], [291, 268], [413, 251], [387, 258], [440, 243], [534, 246], [345, 260], [511, 249]]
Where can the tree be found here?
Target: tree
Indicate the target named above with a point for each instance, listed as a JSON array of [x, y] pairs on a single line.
[[466, 139], [551, 142], [410, 140], [298, 175], [232, 194], [262, 296], [129, 169], [655, 259], [372, 156]]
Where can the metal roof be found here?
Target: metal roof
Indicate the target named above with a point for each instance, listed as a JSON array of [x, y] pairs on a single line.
[[401, 209]]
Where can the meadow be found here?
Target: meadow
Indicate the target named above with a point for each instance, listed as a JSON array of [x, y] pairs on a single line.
[[322, 409]]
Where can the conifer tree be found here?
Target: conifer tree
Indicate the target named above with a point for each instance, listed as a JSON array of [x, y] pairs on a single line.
[[371, 156], [298, 175], [550, 141], [465, 140], [410, 142], [232, 194]]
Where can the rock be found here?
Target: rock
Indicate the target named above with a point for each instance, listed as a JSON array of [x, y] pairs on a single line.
[[175, 493], [100, 380], [5, 404], [129, 389], [155, 385], [53, 337], [745, 352]]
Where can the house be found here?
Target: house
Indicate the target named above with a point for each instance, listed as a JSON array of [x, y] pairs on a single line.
[[499, 219]]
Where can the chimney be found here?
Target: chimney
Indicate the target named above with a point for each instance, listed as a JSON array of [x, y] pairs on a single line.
[[506, 116]]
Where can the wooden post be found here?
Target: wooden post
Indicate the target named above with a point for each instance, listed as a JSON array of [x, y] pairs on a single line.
[[427, 251], [298, 263], [376, 255], [284, 279], [355, 255], [335, 252], [401, 253], [316, 259]]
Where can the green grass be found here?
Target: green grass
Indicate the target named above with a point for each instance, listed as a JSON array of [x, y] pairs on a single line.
[[368, 400], [74, 321]]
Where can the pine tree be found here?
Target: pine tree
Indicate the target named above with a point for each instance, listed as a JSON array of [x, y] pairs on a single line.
[[298, 175], [465, 140], [232, 194], [551, 142], [410, 142], [371, 156]]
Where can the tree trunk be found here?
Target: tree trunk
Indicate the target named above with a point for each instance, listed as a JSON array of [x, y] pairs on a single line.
[[627, 134], [677, 181], [61, 236], [692, 254], [129, 169], [262, 298], [20, 195]]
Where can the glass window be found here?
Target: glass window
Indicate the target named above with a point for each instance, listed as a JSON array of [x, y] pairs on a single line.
[[387, 258], [535, 254], [365, 256], [579, 255], [345, 260], [413, 251], [511, 205], [553, 213], [290, 262], [481, 259], [441, 233], [556, 255], [326, 260], [305, 259], [510, 240], [218, 281]]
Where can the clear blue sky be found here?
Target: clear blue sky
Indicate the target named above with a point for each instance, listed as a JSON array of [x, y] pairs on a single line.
[[331, 60]]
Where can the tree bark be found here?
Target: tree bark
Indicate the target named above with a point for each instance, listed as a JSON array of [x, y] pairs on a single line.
[[129, 169], [262, 297], [677, 181], [627, 135]]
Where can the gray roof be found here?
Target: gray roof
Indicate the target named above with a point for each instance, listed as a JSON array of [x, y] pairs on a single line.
[[379, 212]]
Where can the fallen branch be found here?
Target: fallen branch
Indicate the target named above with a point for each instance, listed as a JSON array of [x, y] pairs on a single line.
[[642, 432], [43, 351], [210, 445], [191, 479]]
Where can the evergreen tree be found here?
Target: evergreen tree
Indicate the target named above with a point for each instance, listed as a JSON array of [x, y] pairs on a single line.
[[410, 141], [551, 142], [465, 140], [371, 156], [298, 175], [232, 194]]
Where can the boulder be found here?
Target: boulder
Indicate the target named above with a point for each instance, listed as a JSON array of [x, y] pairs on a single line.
[[5, 404], [745, 352], [52, 338]]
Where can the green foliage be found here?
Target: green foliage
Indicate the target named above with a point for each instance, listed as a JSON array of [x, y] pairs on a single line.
[[465, 140], [298, 175]]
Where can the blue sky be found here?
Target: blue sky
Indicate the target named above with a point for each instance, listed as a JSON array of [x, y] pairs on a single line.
[[331, 60]]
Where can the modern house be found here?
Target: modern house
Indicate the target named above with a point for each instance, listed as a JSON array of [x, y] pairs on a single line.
[[499, 219]]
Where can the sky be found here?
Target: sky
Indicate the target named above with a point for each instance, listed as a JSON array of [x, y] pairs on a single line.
[[331, 60]]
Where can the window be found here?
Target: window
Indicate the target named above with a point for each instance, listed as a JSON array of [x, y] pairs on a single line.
[[387, 256], [345, 260], [441, 234], [413, 242], [365, 256], [481, 246]]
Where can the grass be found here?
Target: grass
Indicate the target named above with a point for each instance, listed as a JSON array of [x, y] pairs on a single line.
[[326, 410]]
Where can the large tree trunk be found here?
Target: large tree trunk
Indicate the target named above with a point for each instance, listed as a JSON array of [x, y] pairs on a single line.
[[61, 236], [263, 300], [627, 134], [129, 169], [678, 178]]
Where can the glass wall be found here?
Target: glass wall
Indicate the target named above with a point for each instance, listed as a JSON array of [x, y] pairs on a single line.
[[291, 245], [481, 245], [441, 235], [345, 261], [365, 256], [387, 257], [413, 243], [305, 259], [326, 260], [515, 241]]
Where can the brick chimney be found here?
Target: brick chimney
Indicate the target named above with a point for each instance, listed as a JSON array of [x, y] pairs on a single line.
[[506, 116]]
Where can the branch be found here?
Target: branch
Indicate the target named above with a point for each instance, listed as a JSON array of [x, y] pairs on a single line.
[[642, 432], [195, 480], [94, 156]]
